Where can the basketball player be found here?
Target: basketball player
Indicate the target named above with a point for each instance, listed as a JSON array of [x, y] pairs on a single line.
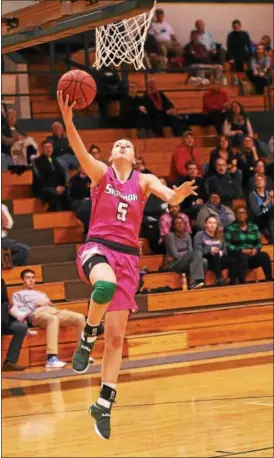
[[109, 258]]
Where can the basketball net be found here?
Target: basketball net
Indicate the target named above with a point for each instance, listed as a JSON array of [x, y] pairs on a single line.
[[123, 42]]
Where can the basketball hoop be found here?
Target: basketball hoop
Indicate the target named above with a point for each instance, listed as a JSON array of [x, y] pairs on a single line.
[[123, 42]]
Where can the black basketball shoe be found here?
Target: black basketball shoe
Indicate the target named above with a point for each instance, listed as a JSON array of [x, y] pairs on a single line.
[[81, 358], [102, 414]]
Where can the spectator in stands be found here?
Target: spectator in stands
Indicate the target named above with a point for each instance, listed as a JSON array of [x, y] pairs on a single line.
[[154, 54], [19, 251], [17, 148], [10, 326], [238, 46], [216, 52], [259, 168], [95, 151], [154, 209], [223, 184], [247, 158], [192, 204], [266, 42], [164, 34], [213, 207], [261, 203], [44, 315], [211, 245], [140, 165], [195, 52], [215, 106], [62, 150], [109, 88], [259, 70], [243, 242], [79, 193], [184, 153], [133, 113], [180, 256], [237, 124], [165, 222], [161, 111], [50, 179]]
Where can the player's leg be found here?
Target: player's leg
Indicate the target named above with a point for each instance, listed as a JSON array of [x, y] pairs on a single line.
[[103, 279], [115, 328]]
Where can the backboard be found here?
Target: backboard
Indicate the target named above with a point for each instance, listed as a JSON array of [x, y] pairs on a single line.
[[44, 21]]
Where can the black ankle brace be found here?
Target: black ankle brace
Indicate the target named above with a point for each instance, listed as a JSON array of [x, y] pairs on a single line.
[[107, 393], [93, 331]]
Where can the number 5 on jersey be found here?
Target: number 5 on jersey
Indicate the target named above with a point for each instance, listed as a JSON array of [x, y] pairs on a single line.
[[122, 211]]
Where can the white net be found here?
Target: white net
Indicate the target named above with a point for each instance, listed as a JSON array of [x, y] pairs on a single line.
[[123, 41]]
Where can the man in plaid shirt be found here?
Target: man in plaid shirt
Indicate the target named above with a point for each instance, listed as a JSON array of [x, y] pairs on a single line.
[[243, 242]]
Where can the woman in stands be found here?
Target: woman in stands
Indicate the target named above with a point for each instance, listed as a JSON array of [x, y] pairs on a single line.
[[237, 124], [259, 71], [180, 256], [109, 259], [261, 203], [209, 242], [247, 158]]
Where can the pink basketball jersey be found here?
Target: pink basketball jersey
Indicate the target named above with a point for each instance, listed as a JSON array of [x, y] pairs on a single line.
[[117, 209]]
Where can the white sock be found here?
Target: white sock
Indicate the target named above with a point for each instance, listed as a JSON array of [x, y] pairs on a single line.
[[103, 402]]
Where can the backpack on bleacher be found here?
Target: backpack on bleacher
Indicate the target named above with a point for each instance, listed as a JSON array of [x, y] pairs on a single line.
[[246, 88]]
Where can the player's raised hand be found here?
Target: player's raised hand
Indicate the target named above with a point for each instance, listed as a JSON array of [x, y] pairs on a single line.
[[186, 189], [65, 107]]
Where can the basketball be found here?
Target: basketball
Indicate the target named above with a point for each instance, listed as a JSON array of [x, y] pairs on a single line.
[[80, 86]]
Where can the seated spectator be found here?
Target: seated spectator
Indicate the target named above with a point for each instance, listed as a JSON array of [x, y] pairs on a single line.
[[259, 168], [216, 52], [223, 184], [10, 326], [243, 243], [195, 52], [271, 145], [165, 222], [50, 180], [154, 209], [184, 153], [213, 207], [43, 314], [238, 46], [161, 111], [95, 151], [237, 124], [133, 112], [19, 251], [62, 150], [154, 54], [164, 34], [109, 88], [192, 204], [215, 105], [140, 165], [17, 148], [79, 193], [266, 42], [247, 158], [180, 256], [259, 71], [261, 203], [213, 249]]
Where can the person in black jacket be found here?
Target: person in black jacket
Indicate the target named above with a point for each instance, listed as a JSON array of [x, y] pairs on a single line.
[[10, 325], [223, 184], [238, 46], [79, 192], [109, 88], [133, 113], [192, 204], [50, 180], [161, 111], [62, 149]]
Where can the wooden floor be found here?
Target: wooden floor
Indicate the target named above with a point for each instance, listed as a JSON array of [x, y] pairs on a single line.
[[215, 408]]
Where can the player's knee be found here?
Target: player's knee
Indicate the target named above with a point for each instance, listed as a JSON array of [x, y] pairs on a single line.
[[103, 292], [114, 342]]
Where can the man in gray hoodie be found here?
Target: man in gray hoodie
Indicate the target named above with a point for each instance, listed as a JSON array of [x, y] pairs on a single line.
[[213, 206]]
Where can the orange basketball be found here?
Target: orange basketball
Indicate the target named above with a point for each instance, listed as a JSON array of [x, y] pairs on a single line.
[[80, 86]]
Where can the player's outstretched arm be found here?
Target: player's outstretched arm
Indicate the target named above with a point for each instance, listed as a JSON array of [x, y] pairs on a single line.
[[172, 196], [93, 168]]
